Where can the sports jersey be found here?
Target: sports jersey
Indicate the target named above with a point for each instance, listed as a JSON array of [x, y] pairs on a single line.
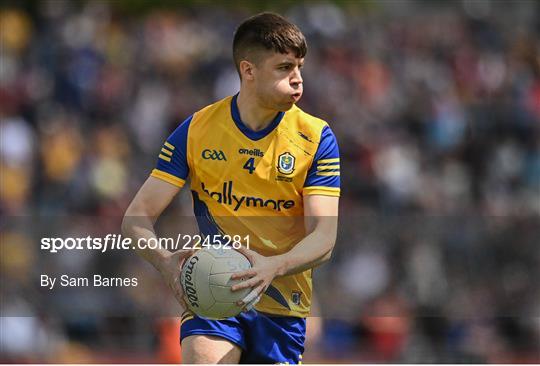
[[252, 183]]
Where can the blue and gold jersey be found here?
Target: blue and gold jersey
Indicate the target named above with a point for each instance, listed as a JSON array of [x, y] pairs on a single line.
[[253, 183]]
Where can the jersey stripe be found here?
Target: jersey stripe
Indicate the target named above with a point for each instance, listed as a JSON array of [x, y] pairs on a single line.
[[327, 174], [166, 158], [169, 145], [166, 152], [325, 161], [328, 167], [186, 314], [324, 170], [169, 178], [322, 190], [185, 319]]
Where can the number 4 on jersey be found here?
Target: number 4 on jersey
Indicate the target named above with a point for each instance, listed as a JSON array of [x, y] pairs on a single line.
[[250, 165]]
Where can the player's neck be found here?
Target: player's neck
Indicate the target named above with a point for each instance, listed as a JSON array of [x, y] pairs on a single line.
[[252, 114]]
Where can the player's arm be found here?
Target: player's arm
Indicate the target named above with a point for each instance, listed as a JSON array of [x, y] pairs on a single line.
[[155, 195], [149, 202], [321, 215], [138, 224]]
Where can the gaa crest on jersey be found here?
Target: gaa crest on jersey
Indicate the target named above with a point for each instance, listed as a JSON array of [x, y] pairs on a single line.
[[286, 163]]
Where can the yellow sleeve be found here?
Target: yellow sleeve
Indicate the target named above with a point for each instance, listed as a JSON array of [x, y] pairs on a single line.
[[169, 178], [321, 190]]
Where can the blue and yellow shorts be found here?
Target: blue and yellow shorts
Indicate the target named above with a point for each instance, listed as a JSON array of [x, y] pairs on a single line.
[[263, 338]]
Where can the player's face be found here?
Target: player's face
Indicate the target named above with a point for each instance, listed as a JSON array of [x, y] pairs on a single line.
[[278, 80]]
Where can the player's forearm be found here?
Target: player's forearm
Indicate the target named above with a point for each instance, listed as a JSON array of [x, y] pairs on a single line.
[[141, 229], [312, 251]]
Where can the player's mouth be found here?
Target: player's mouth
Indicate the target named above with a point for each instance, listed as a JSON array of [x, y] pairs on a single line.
[[296, 96]]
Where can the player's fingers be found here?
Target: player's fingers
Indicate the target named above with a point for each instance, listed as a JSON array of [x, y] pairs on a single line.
[[246, 284], [243, 274]]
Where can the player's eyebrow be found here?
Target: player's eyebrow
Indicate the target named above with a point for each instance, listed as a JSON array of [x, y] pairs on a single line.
[[288, 62]]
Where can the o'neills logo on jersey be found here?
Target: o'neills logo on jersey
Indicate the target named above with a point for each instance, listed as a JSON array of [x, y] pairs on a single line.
[[227, 197], [252, 152]]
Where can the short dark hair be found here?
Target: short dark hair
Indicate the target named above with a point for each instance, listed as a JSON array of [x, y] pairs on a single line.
[[267, 31]]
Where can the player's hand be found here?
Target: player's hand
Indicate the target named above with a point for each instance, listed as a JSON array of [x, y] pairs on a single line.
[[171, 268], [261, 274]]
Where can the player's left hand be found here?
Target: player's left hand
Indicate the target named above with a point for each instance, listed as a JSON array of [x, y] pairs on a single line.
[[261, 274]]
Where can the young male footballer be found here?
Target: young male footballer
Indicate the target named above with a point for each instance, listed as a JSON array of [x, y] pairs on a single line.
[[259, 159]]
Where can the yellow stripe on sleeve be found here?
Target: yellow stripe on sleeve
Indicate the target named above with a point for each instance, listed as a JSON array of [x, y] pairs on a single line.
[[166, 152], [169, 178], [169, 145], [326, 161], [166, 158], [328, 167], [321, 190], [328, 174]]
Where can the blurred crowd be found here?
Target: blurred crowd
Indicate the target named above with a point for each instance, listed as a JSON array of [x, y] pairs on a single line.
[[436, 107]]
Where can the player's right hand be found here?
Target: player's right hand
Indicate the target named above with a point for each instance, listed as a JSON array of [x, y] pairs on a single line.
[[171, 268]]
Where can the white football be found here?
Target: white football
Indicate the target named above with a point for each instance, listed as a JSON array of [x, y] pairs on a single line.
[[206, 281]]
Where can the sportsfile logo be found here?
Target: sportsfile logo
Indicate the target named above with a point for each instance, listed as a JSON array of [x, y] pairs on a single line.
[[213, 155], [227, 197]]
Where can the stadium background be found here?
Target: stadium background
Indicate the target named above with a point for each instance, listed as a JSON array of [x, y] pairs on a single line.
[[436, 106]]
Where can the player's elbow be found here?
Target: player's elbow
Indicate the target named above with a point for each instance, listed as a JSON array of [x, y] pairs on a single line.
[[326, 257], [126, 226], [127, 223], [331, 242], [132, 216]]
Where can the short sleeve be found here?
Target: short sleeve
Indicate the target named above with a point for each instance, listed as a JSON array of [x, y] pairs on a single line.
[[172, 166], [323, 176]]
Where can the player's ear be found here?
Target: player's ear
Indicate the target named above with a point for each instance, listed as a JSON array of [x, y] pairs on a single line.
[[246, 70]]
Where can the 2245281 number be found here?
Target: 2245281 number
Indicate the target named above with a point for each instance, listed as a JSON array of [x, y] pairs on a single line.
[[216, 241]]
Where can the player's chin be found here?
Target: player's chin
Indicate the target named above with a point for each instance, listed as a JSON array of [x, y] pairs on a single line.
[[286, 105], [285, 108]]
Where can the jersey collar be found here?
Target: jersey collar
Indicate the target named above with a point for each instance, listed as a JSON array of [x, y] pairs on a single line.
[[249, 133]]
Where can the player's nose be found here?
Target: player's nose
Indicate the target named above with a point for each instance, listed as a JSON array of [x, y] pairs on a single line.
[[296, 78]]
